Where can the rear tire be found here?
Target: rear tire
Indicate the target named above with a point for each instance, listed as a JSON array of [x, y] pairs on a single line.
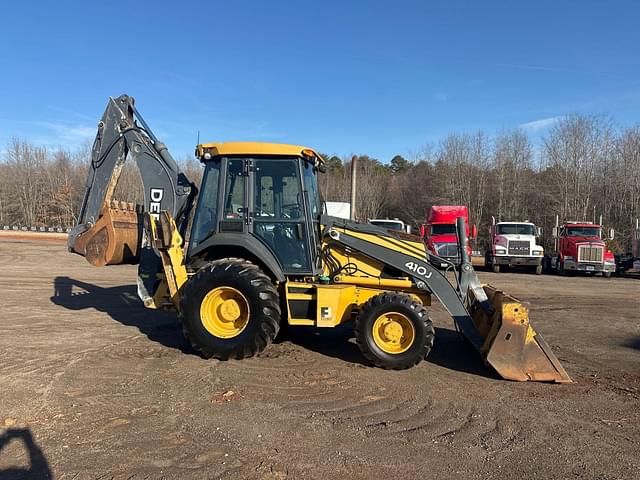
[[393, 331], [230, 309], [487, 261]]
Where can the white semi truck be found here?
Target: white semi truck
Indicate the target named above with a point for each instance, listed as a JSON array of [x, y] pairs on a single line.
[[514, 244]]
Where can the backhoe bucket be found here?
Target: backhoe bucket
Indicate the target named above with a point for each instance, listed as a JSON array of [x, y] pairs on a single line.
[[511, 345], [115, 238]]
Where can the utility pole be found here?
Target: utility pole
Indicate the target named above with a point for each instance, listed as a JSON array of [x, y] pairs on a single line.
[[354, 163]]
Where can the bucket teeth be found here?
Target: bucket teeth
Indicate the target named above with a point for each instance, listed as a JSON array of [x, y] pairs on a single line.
[[125, 206], [116, 236]]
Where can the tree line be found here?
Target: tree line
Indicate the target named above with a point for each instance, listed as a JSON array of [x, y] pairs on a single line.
[[585, 166]]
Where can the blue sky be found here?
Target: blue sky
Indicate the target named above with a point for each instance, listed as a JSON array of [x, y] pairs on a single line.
[[379, 78]]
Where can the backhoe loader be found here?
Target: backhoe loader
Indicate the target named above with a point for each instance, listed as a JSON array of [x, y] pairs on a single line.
[[261, 252]]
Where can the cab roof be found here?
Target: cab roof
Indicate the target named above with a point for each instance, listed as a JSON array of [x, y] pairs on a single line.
[[218, 149], [581, 224], [515, 223]]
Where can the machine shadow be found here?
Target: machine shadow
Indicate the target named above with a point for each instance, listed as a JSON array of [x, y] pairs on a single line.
[[38, 465], [122, 304], [633, 343], [331, 342], [449, 350]]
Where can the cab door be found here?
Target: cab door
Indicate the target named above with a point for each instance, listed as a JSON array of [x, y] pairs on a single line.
[[277, 212], [234, 200]]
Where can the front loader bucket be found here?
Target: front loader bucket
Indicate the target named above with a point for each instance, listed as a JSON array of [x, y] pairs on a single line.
[[511, 345], [114, 239]]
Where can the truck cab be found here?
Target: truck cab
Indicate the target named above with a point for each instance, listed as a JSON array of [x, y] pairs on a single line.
[[513, 244], [439, 233], [581, 248]]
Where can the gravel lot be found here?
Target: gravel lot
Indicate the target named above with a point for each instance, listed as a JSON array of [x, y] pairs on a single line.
[[92, 385]]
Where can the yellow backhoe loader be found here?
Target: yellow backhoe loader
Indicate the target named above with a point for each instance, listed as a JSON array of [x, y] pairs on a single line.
[[261, 252]]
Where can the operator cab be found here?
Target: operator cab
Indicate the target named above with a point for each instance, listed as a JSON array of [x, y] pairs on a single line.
[[268, 191]]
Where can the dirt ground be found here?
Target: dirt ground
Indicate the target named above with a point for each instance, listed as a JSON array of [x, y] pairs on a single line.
[[92, 385]]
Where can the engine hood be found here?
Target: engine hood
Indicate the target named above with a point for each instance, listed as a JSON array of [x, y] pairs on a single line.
[[504, 239], [574, 241]]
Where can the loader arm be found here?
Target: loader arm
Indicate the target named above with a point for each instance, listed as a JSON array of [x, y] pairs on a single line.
[[112, 232], [497, 325], [424, 275]]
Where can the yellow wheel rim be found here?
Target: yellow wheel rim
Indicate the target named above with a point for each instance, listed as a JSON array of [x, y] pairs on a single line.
[[393, 333], [224, 312]]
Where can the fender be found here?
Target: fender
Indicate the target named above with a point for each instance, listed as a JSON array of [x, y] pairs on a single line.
[[229, 242]]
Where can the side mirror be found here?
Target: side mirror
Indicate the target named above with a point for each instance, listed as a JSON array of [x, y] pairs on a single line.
[[612, 234], [423, 230], [539, 231], [554, 232], [474, 232]]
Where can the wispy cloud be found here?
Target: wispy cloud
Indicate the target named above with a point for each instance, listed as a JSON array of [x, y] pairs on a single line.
[[440, 97], [70, 133], [65, 134], [541, 124], [542, 68], [71, 113], [262, 130]]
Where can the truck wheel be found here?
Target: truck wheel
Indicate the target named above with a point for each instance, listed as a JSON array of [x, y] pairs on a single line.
[[230, 309], [538, 269], [496, 268], [393, 331], [561, 270], [606, 274]]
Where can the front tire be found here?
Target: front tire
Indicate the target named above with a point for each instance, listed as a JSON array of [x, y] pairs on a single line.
[[561, 270], [230, 309], [393, 331], [538, 269], [496, 268]]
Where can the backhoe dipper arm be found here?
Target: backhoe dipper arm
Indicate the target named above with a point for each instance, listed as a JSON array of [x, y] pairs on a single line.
[[165, 186]]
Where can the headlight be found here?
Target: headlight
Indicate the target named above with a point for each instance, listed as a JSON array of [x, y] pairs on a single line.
[[501, 250], [568, 257], [538, 252]]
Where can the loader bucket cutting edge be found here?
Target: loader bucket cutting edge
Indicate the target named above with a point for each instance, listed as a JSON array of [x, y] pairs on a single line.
[[511, 345], [115, 238]]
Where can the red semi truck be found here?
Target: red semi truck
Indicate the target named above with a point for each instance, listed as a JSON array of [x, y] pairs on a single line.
[[630, 260], [580, 247], [439, 233]]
